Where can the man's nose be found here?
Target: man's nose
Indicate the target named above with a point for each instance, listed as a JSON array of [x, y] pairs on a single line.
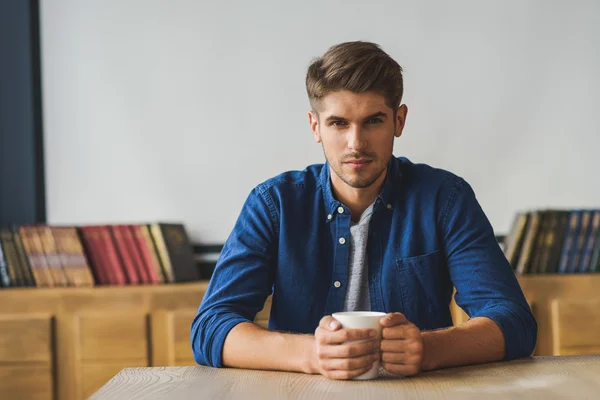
[[356, 139]]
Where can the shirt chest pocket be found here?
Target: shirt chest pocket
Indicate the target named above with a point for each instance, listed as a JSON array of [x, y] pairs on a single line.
[[424, 282]]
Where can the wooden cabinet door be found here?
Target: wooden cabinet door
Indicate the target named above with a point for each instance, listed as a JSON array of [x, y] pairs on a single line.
[[26, 356], [575, 326], [95, 346], [171, 337]]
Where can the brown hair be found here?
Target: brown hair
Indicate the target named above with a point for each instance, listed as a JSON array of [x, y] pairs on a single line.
[[357, 67]]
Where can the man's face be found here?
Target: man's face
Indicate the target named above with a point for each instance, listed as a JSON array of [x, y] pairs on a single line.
[[357, 132]]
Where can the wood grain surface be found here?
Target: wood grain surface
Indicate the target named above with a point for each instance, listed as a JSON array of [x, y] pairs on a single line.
[[531, 378]]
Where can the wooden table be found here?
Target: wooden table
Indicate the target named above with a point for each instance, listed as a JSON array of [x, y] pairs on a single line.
[[531, 378]]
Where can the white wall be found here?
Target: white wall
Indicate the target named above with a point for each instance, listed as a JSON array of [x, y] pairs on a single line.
[[175, 110]]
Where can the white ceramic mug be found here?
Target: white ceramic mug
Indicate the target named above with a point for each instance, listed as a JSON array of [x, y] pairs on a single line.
[[362, 320]]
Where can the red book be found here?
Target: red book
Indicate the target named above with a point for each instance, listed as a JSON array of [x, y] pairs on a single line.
[[144, 251], [121, 248], [94, 251], [134, 253], [111, 256]]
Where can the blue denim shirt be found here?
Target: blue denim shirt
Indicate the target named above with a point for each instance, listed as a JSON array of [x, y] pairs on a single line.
[[427, 235]]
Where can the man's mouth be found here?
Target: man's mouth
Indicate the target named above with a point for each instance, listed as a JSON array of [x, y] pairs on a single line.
[[358, 164], [359, 161]]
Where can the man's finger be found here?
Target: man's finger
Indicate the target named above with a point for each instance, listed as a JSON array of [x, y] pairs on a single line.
[[402, 346], [347, 335], [400, 369], [341, 374], [329, 323], [348, 364], [349, 350], [402, 331], [400, 358], [393, 319], [395, 346]]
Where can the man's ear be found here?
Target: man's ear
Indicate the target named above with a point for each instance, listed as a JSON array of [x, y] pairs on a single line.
[[400, 119], [313, 120]]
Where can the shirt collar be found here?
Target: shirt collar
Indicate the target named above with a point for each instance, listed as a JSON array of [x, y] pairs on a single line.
[[386, 196]]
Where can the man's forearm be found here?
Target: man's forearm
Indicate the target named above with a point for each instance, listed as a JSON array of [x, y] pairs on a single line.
[[478, 340], [249, 346]]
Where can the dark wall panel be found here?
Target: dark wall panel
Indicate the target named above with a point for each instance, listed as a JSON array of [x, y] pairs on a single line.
[[21, 149]]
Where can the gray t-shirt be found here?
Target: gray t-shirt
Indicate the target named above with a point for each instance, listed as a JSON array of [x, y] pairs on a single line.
[[357, 290]]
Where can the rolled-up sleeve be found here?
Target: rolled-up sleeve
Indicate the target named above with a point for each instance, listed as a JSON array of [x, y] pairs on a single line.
[[242, 280], [485, 283]]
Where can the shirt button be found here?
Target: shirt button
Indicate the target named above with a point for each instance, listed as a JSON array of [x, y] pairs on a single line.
[[337, 284], [389, 206], [342, 240], [329, 216], [341, 210]]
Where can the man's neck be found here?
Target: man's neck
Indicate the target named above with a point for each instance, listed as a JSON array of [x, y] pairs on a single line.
[[356, 199]]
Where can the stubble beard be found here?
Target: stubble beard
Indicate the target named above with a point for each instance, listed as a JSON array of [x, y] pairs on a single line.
[[359, 180]]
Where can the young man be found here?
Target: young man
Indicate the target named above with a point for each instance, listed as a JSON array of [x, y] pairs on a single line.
[[364, 231]]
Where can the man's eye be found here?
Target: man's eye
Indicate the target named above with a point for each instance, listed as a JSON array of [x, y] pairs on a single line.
[[374, 121], [338, 123]]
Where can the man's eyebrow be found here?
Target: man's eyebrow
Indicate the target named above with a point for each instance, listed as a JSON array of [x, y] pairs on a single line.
[[335, 118], [376, 115]]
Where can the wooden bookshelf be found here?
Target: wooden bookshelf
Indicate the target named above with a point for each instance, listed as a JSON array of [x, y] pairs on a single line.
[[64, 343]]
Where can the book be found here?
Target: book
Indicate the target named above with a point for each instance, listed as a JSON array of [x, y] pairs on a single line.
[[533, 227], [72, 256], [28, 278], [595, 258], [539, 242], [590, 242], [124, 254], [514, 241], [113, 263], [569, 242], [35, 256], [48, 248], [10, 258], [5, 280], [162, 252], [175, 252], [147, 252], [90, 240], [556, 241], [579, 241]]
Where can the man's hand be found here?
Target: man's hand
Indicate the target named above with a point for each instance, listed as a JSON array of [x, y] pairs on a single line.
[[401, 345], [336, 360]]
